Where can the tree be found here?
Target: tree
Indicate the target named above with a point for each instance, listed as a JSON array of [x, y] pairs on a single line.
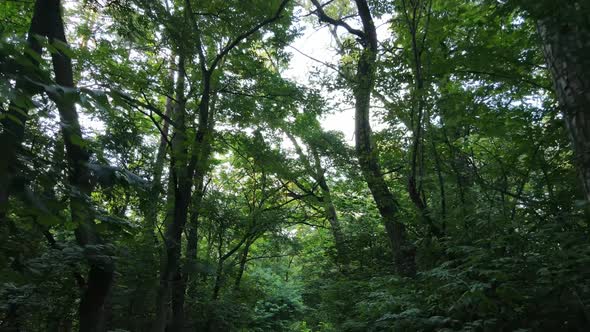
[[367, 152], [562, 31]]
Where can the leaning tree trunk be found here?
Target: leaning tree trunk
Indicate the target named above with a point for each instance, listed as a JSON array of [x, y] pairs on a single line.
[[100, 275], [566, 45], [368, 154], [330, 209], [243, 261], [318, 174]]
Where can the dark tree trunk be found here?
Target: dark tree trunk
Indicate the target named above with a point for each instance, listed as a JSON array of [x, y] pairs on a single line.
[[183, 176], [330, 209], [566, 45], [101, 271], [195, 171], [368, 154], [318, 174], [243, 261], [205, 130], [218, 280], [152, 203], [180, 197], [414, 14], [15, 118]]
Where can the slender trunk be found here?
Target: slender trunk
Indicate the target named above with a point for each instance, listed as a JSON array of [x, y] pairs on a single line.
[[219, 269], [191, 251], [318, 173], [222, 258], [566, 45], [192, 228], [178, 197], [184, 175], [212, 319], [368, 154], [441, 184], [243, 261], [152, 204], [101, 271], [330, 210], [100, 275], [195, 171], [413, 16], [14, 119], [289, 268]]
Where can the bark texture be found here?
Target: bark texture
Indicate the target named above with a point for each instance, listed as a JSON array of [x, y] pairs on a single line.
[[566, 45], [100, 275]]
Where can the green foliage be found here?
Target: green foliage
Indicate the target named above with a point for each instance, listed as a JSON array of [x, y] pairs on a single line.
[[462, 86]]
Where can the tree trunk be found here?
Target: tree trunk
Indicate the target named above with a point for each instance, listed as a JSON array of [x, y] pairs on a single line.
[[366, 150], [183, 175], [368, 154], [243, 261], [14, 120], [329, 209], [100, 275], [180, 201], [152, 204], [195, 171], [318, 174], [566, 45], [218, 279], [200, 170]]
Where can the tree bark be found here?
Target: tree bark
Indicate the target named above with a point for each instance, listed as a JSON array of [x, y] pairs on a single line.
[[183, 167], [367, 152], [152, 204], [318, 174], [566, 46], [330, 209], [192, 228], [100, 275], [243, 261], [178, 191]]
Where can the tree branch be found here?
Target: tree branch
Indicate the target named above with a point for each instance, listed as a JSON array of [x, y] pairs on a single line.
[[323, 17]]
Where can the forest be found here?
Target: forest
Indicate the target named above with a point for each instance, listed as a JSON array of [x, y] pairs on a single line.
[[185, 165]]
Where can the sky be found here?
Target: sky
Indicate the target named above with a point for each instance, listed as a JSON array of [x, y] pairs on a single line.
[[317, 43]]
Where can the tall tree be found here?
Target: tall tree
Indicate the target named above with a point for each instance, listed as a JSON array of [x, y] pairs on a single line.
[[188, 166], [564, 29], [100, 275], [367, 151], [15, 118]]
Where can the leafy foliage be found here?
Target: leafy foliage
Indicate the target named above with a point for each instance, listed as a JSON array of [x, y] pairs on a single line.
[[186, 102]]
